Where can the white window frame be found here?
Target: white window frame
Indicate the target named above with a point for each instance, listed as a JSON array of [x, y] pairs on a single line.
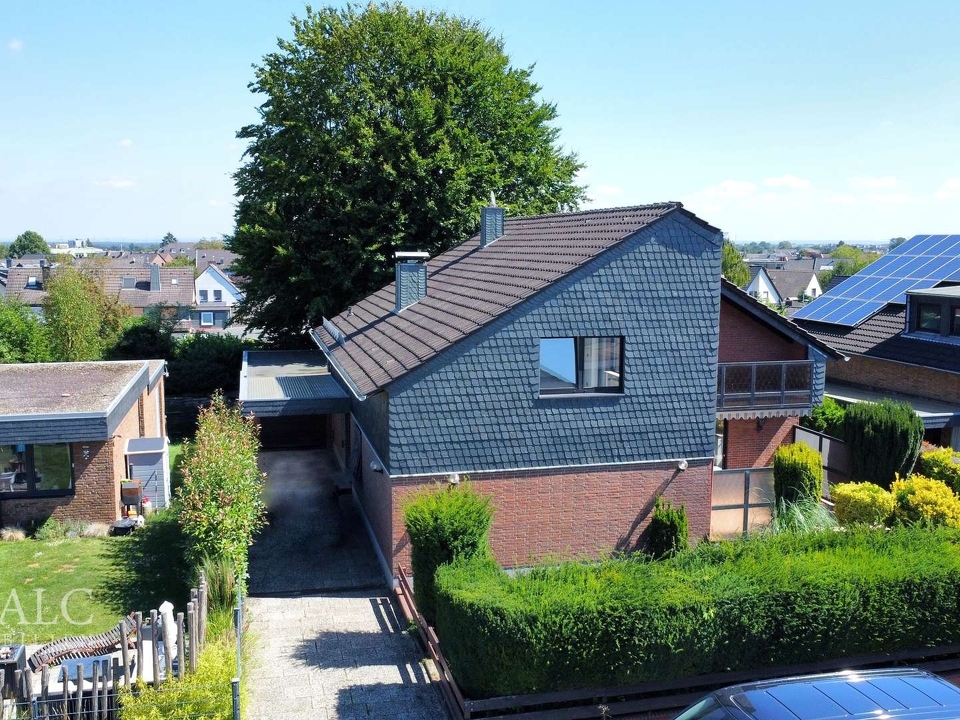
[[206, 319], [218, 295], [202, 295]]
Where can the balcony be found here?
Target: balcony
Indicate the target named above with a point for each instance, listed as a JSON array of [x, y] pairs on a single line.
[[742, 386]]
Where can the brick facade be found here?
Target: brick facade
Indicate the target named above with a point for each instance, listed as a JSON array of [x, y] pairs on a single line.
[[748, 445], [878, 374], [584, 513], [744, 338]]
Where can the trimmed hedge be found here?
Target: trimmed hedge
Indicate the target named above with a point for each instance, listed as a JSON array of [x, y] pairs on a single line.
[[748, 604], [797, 473], [669, 529], [826, 418], [884, 440], [862, 503], [942, 464], [927, 502], [444, 524]]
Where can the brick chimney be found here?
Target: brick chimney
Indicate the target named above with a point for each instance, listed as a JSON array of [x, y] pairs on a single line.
[[411, 282]]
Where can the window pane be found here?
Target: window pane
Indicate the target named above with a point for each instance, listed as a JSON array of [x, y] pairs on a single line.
[[13, 468], [558, 364], [929, 318], [217, 295], [601, 363], [52, 467]]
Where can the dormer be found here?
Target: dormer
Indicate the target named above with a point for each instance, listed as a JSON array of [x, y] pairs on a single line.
[[934, 314]]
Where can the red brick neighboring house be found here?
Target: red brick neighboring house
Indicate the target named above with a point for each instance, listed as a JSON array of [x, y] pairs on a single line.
[[71, 432]]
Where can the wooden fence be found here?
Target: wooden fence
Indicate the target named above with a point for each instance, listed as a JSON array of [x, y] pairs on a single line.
[[89, 690], [642, 699]]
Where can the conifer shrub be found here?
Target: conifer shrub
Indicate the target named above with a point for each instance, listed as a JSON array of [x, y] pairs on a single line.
[[826, 418], [884, 440], [862, 503], [941, 464], [920, 500], [444, 524], [668, 530], [797, 473]]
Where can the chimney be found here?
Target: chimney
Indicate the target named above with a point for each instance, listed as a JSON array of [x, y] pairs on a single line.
[[491, 222], [411, 278], [154, 278]]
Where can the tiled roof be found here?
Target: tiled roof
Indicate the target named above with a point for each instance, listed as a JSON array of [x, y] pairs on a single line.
[[16, 288], [790, 283], [834, 281], [880, 336], [170, 293], [469, 287]]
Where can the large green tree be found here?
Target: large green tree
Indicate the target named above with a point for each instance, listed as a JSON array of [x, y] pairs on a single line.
[[82, 322], [22, 338], [28, 243], [732, 266], [383, 128]]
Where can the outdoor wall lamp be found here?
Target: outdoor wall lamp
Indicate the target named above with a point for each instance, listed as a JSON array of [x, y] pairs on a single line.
[[682, 465], [454, 479], [761, 421], [376, 467]]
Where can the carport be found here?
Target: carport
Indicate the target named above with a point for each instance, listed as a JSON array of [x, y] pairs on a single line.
[[293, 396]]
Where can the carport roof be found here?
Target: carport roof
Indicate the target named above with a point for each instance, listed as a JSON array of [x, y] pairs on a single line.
[[274, 383]]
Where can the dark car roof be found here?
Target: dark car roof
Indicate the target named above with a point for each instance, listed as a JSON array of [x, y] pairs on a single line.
[[871, 693]]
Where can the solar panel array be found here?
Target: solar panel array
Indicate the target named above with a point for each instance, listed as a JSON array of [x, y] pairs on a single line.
[[918, 264]]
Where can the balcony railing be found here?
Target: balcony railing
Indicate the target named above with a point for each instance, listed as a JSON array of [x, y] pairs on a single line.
[[765, 385]]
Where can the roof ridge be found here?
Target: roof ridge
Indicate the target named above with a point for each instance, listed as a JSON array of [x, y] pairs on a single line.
[[672, 204]]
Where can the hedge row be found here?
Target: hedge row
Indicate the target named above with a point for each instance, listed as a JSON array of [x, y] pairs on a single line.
[[723, 607]]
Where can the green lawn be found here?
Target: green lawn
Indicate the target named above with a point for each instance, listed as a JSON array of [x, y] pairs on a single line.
[[176, 455], [41, 578], [97, 581]]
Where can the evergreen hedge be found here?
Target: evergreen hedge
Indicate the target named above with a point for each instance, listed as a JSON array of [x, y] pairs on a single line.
[[754, 603], [797, 473], [826, 418], [884, 440], [862, 503], [444, 524]]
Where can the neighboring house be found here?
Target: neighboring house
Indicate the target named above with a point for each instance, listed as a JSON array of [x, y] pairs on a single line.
[[140, 287], [125, 258], [222, 259], [781, 287], [71, 432], [568, 365], [214, 301], [76, 249], [32, 260], [899, 321]]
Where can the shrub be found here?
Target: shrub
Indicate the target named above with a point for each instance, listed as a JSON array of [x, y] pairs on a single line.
[[826, 418], [668, 530], [12, 534], [884, 440], [804, 516], [737, 606], [941, 464], [220, 504], [203, 694], [862, 503], [444, 524], [797, 473], [928, 502], [50, 529], [204, 363]]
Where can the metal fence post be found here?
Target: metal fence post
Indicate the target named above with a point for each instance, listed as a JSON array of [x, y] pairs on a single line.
[[35, 709], [235, 683]]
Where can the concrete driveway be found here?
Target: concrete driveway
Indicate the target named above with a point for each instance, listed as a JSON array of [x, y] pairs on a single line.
[[316, 540]]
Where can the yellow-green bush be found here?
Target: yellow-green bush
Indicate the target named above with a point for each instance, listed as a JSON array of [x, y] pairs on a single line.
[[942, 464], [862, 503], [922, 500], [797, 473]]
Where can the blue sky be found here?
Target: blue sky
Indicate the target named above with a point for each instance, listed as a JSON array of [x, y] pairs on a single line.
[[773, 121]]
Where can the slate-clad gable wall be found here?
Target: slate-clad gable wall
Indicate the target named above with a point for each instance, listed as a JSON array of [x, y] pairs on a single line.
[[476, 406], [373, 414]]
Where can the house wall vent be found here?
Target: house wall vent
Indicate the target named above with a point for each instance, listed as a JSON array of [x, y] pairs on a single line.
[[411, 283]]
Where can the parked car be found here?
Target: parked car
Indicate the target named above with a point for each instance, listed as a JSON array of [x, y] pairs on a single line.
[[894, 693]]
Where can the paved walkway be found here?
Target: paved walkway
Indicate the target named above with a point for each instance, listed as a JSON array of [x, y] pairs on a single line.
[[343, 656], [327, 639], [316, 541]]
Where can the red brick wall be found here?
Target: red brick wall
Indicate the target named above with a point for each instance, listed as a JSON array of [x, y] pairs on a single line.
[[748, 447], [96, 497], [582, 513], [886, 375], [743, 338]]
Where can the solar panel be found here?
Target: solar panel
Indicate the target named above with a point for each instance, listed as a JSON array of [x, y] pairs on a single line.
[[922, 262]]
